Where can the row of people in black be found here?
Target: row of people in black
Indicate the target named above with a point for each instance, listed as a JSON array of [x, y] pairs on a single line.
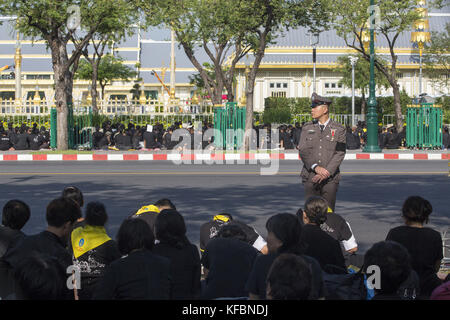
[[119, 137], [151, 258], [23, 138]]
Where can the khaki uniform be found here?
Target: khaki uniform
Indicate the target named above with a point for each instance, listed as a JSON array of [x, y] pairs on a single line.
[[326, 149]]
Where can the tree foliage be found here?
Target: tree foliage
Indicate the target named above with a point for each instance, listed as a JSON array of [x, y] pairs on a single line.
[[395, 17], [110, 68], [58, 22], [436, 58]]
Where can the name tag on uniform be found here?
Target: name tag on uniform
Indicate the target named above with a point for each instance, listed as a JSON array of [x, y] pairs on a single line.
[[311, 131]]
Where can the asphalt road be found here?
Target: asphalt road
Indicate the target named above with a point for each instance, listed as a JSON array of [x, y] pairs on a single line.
[[370, 195]]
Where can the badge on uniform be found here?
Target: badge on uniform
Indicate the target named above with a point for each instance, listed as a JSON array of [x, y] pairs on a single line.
[[333, 131]]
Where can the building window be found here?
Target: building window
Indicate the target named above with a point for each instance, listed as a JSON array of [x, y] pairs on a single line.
[[278, 94], [151, 94], [37, 77], [31, 94], [278, 85], [327, 85], [10, 76], [399, 75], [278, 89], [118, 97], [6, 95]]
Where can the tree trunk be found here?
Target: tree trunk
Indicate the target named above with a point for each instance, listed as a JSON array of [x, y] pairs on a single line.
[[63, 89], [103, 85], [397, 107], [94, 93], [250, 91]]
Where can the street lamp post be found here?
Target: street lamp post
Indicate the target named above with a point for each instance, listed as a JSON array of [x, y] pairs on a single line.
[[372, 117], [18, 71], [314, 40], [421, 36], [353, 61]]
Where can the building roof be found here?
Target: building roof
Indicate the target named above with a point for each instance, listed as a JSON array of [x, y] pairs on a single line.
[[292, 48]]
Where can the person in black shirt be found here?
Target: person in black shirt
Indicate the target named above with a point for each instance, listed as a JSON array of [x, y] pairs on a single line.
[[289, 278], [167, 139], [39, 277], [285, 139], [211, 228], [35, 140], [61, 215], [123, 140], [5, 141], [423, 244], [382, 132], [139, 274], [149, 213], [392, 139], [15, 215], [352, 139], [227, 261], [21, 142], [150, 139], [393, 262], [93, 250], [320, 245], [170, 230], [446, 139], [136, 138], [284, 232], [97, 136]]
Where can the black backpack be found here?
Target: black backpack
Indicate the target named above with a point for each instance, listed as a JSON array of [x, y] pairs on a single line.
[[341, 285]]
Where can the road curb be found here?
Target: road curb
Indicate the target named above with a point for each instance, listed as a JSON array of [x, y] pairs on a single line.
[[212, 156]]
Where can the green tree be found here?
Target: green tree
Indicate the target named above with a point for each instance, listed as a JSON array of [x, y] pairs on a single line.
[[395, 18], [214, 27], [58, 22], [362, 75], [436, 58], [268, 19], [109, 68], [119, 24]]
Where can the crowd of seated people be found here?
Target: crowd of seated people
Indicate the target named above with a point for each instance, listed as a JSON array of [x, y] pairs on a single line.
[[118, 136], [302, 258], [24, 138]]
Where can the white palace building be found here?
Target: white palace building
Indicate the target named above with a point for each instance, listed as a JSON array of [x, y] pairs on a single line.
[[286, 70]]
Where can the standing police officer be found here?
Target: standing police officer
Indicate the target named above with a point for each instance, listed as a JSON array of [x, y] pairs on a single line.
[[322, 149]]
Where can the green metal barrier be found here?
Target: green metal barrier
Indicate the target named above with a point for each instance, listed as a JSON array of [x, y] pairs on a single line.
[[53, 128], [424, 126], [79, 129], [230, 121]]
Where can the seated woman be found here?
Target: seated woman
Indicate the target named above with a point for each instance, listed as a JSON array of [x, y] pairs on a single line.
[[227, 260], [139, 274], [93, 250], [320, 245], [284, 232], [423, 244], [170, 231], [123, 140]]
